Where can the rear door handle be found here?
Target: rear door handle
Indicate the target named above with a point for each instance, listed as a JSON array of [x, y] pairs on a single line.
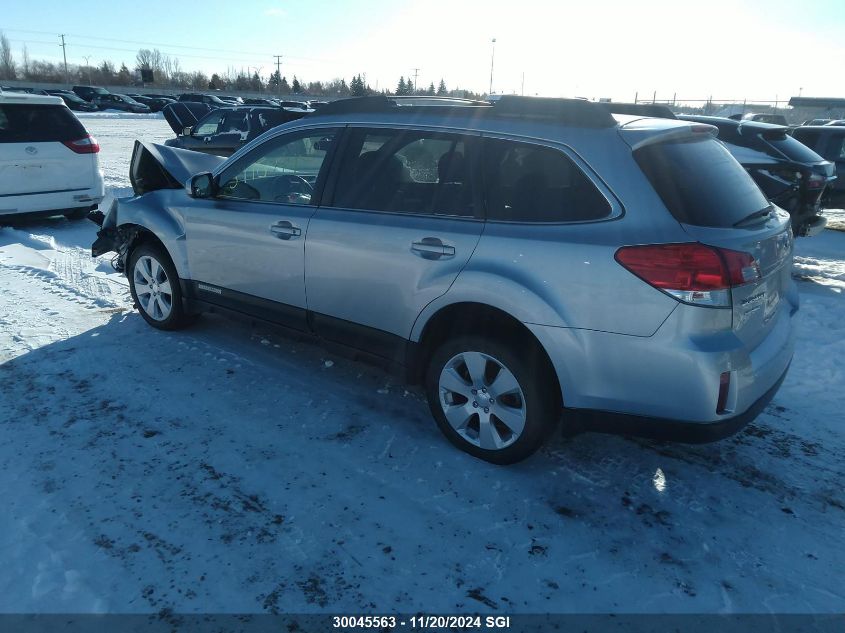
[[284, 230], [432, 248]]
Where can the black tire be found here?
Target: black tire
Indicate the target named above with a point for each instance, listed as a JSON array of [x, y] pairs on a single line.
[[540, 395], [177, 317], [77, 214]]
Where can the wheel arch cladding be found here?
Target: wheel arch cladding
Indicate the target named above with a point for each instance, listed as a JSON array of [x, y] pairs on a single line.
[[161, 226], [477, 318]]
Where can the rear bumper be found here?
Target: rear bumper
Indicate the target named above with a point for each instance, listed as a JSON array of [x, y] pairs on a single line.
[[665, 429], [673, 376], [58, 202]]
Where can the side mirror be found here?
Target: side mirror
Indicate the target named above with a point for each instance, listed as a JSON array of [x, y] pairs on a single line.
[[203, 185], [186, 131]]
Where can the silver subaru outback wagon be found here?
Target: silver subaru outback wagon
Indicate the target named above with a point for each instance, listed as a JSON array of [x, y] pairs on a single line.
[[531, 261]]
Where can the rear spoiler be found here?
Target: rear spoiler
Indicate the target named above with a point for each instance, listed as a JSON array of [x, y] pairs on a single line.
[[644, 132]]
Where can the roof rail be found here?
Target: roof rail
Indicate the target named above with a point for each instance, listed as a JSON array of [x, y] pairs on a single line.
[[382, 103], [575, 112], [578, 112], [655, 110]]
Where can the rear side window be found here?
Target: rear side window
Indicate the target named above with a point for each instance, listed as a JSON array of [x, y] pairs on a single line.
[[25, 123], [531, 183], [407, 171], [700, 182], [794, 149]]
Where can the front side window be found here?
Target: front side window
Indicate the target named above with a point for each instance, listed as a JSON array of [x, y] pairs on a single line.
[[407, 171], [208, 125], [283, 170], [532, 183]]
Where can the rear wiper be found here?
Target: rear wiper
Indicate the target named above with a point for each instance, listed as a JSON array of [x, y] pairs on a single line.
[[757, 215]]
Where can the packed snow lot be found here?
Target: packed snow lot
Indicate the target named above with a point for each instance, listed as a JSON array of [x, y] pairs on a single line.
[[228, 468]]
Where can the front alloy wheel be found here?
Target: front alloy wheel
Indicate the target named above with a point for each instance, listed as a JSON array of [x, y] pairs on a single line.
[[152, 287], [155, 287]]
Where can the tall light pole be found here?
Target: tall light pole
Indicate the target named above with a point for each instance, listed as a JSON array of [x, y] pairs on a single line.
[[492, 57], [88, 66]]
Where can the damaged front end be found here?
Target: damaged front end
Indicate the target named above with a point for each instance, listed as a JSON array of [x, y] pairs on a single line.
[[153, 168], [111, 238]]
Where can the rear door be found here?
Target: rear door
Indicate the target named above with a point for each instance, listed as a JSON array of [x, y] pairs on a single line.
[[231, 134], [718, 204], [33, 156], [403, 221]]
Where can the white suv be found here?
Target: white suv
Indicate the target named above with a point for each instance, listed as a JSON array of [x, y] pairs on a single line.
[[48, 161]]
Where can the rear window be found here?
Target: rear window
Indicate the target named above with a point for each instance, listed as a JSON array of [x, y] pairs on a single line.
[[794, 149], [25, 123], [700, 182]]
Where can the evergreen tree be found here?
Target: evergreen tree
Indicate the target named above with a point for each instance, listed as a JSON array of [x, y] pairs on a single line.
[[274, 81], [285, 88], [124, 78], [215, 82], [401, 89], [296, 87], [430, 90], [441, 89], [357, 87]]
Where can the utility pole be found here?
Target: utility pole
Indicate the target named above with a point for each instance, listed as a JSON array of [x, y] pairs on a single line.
[[416, 72], [492, 57], [64, 54], [278, 73]]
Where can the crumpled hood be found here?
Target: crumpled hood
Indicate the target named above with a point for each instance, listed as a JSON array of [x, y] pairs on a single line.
[[157, 166]]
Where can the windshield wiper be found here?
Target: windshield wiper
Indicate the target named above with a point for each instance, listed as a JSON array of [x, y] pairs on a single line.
[[757, 215]]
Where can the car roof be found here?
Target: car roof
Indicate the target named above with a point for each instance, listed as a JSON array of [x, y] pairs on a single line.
[[820, 128], [31, 99]]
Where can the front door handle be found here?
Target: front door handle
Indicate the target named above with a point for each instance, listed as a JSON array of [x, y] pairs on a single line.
[[432, 248], [284, 230]]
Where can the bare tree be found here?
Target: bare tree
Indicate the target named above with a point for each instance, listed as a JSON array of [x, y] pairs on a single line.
[[7, 61], [143, 60]]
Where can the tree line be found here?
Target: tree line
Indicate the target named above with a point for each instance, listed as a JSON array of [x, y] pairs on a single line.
[[167, 73]]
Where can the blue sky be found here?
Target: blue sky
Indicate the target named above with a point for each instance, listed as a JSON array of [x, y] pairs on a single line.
[[753, 48]]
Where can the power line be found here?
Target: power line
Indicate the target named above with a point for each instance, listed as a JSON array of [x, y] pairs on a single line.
[[195, 48]]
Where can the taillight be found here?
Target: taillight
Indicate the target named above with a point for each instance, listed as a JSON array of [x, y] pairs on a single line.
[[693, 273], [816, 181], [86, 145]]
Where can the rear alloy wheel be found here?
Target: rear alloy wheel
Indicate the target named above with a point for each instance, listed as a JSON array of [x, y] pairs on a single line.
[[489, 401], [155, 288]]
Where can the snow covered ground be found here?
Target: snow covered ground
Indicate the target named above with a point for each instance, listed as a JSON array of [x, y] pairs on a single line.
[[227, 468]]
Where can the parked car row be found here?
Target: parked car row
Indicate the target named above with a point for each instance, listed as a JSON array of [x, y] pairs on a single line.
[[524, 261]]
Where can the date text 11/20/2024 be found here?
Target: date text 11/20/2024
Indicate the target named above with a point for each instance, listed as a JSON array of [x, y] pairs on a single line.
[[389, 622]]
